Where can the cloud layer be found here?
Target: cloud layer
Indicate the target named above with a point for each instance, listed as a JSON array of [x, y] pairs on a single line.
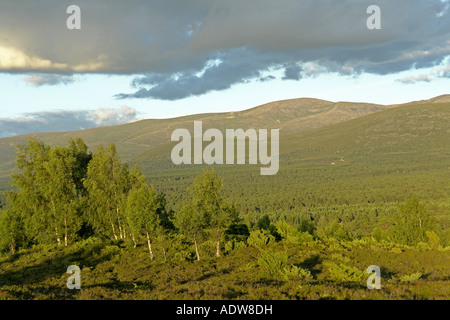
[[184, 48], [57, 121], [38, 80]]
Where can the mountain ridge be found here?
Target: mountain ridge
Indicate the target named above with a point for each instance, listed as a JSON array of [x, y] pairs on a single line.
[[133, 139]]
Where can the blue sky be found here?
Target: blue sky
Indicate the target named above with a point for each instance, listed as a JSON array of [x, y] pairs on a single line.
[[161, 59]]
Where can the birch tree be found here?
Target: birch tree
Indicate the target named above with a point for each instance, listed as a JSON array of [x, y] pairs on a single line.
[[207, 198], [48, 197], [29, 200], [191, 222], [141, 213], [108, 183]]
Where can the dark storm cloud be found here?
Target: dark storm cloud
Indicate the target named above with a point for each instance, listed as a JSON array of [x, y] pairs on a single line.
[[292, 72], [57, 121], [170, 44], [236, 66]]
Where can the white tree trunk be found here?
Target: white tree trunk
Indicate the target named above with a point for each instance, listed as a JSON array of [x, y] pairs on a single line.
[[65, 231], [218, 248], [134, 241], [149, 246], [113, 230], [196, 249]]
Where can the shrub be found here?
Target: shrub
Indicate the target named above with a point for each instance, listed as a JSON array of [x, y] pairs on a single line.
[[109, 251], [272, 264], [260, 238], [237, 232], [339, 258], [296, 273], [411, 278], [179, 249], [287, 232], [233, 245], [411, 223], [433, 240], [340, 272]]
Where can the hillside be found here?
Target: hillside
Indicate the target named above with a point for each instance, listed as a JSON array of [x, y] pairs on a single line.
[[407, 129], [362, 165], [135, 138]]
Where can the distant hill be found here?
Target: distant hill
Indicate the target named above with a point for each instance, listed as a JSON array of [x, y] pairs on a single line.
[[439, 99], [135, 140], [417, 128], [366, 163]]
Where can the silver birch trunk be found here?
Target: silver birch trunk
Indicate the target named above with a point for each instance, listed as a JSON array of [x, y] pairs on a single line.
[[196, 249], [149, 246]]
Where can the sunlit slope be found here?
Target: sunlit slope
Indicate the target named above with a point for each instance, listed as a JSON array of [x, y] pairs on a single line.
[[369, 163], [419, 129], [135, 138]]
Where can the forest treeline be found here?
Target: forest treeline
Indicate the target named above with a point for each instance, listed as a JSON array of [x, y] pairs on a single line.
[[64, 194]]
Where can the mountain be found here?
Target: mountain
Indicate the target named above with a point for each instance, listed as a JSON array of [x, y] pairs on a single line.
[[361, 165], [135, 138], [439, 99], [408, 129]]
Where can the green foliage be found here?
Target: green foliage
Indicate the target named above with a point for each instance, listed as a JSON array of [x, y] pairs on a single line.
[[433, 240], [108, 183], [333, 230], [141, 212], [49, 194], [259, 238], [306, 225], [264, 223], [230, 246], [207, 208], [411, 223], [237, 232], [377, 234], [287, 232], [290, 271], [12, 235], [272, 264], [341, 272], [192, 223], [179, 249], [296, 273], [334, 220], [411, 278]]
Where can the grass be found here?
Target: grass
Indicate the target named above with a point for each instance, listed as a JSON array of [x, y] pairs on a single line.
[[118, 271]]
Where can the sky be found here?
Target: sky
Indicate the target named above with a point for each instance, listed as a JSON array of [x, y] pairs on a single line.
[[139, 59]]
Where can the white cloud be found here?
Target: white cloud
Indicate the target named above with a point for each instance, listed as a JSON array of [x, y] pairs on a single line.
[[109, 117], [57, 121], [48, 79], [414, 79]]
